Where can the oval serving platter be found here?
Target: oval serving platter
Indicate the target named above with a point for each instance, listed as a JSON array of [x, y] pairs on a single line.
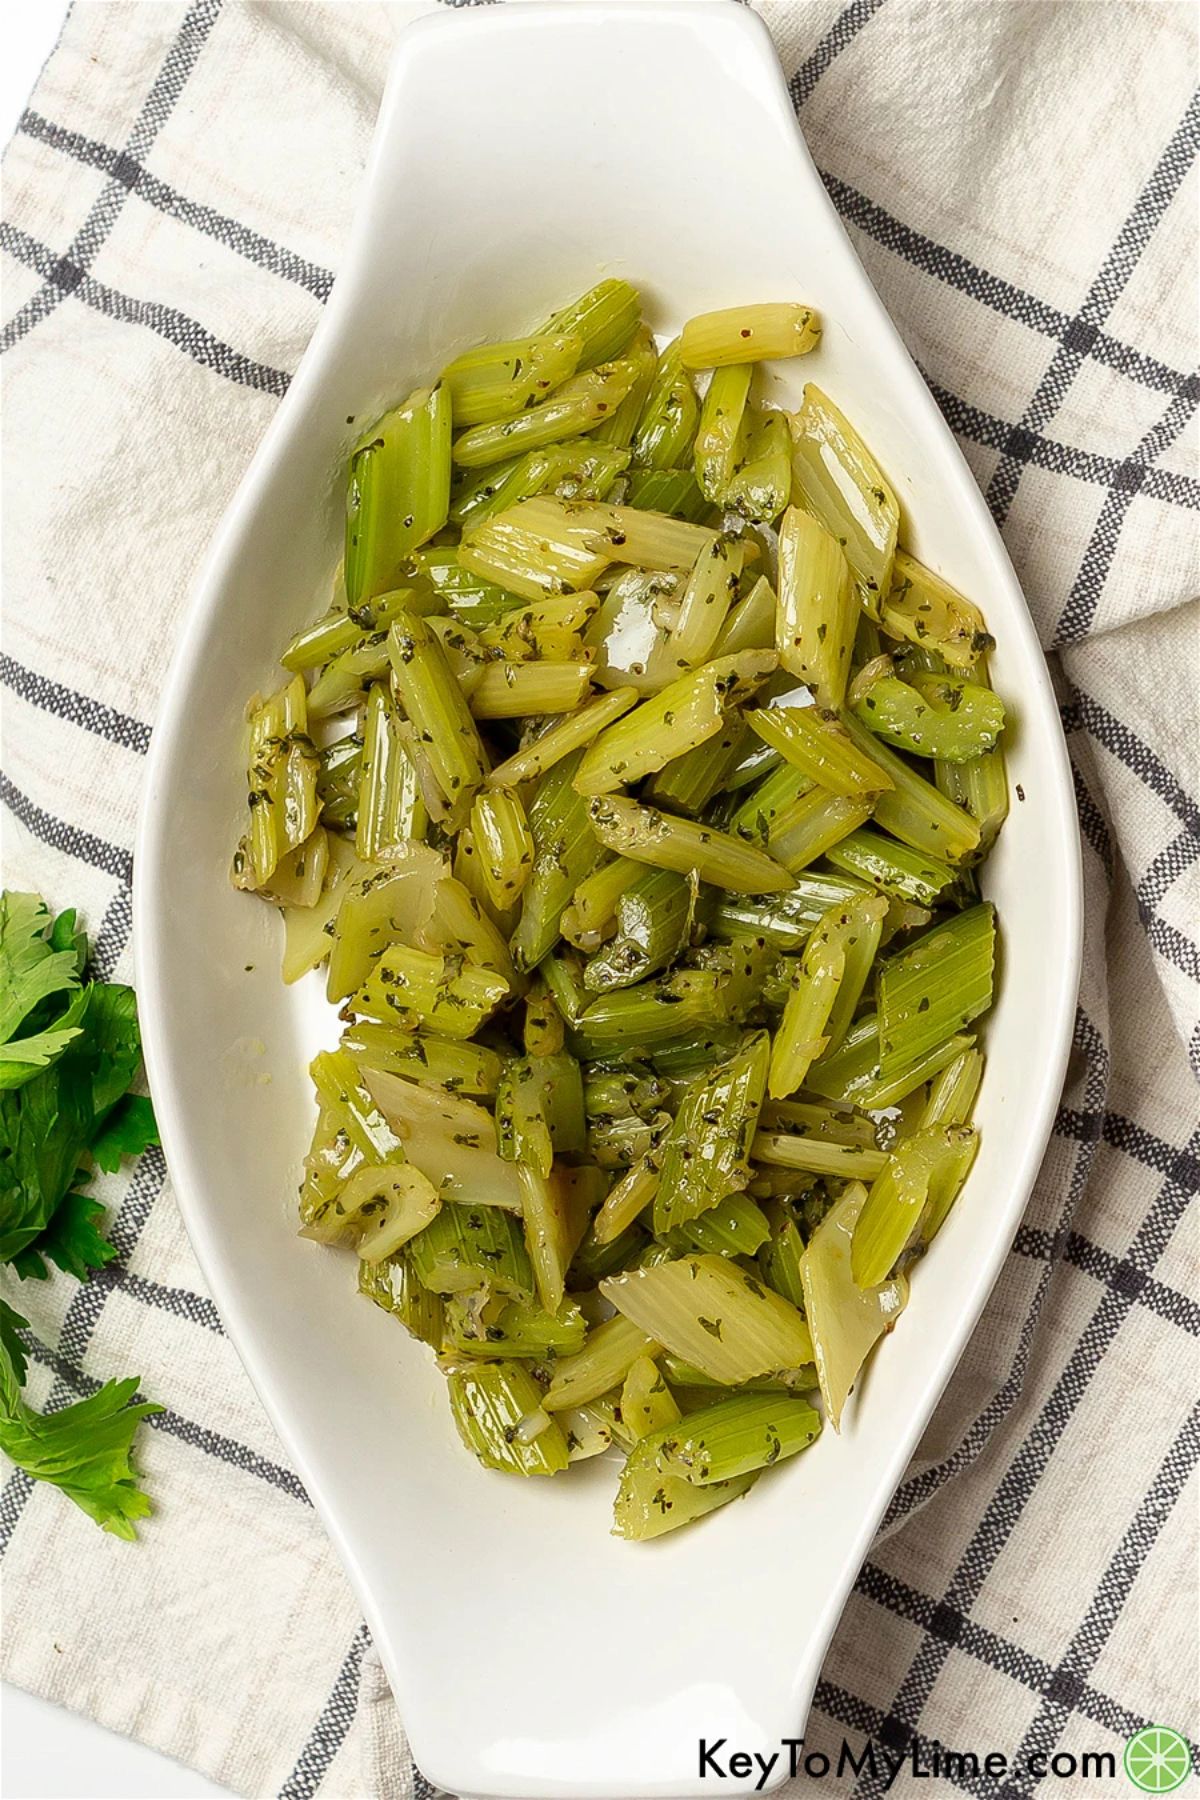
[[521, 154]]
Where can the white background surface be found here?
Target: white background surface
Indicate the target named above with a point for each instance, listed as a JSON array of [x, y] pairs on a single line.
[[46, 1753]]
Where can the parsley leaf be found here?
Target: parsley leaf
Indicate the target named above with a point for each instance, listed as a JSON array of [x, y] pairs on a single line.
[[65, 1110], [34, 968], [84, 1449]]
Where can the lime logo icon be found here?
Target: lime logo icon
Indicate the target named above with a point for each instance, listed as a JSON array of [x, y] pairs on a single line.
[[1157, 1759]]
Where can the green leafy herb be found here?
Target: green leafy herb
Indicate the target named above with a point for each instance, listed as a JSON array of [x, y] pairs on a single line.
[[65, 1111], [84, 1449]]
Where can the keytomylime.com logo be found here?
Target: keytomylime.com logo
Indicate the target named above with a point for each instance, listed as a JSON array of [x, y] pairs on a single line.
[[1157, 1759]]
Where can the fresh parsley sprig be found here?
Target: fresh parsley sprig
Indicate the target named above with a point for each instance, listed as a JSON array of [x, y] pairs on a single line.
[[69, 1051]]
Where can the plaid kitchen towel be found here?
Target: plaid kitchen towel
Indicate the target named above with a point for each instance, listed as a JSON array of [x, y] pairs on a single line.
[[1020, 179]]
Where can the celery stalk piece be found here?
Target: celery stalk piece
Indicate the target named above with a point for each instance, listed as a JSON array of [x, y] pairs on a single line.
[[562, 972], [812, 825], [300, 875], [831, 1124], [588, 1431], [708, 1311], [762, 484], [415, 1109], [912, 809], [393, 1285], [846, 1321], [382, 905], [840, 483], [399, 492], [780, 1256], [688, 783], [608, 1354], [649, 540], [390, 810], [522, 1127], [649, 1503], [818, 609], [465, 1248], [626, 1201], [565, 852], [707, 596], [706, 1155], [459, 590], [562, 738], [579, 469], [457, 925], [653, 837], [342, 683], [540, 547], [437, 710], [506, 1328], [647, 1403], [935, 987], [785, 920], [618, 429], [338, 778], [510, 690], [736, 1436], [548, 627], [389, 1204], [593, 1260], [576, 407], [544, 1029], [981, 783], [604, 319], [852, 1075], [672, 491], [308, 930], [721, 432], [491, 1404], [553, 1230], [894, 867], [630, 1021], [593, 909], [427, 991], [654, 912], [502, 836], [667, 424], [922, 609], [282, 768], [750, 623], [943, 716], [923, 1172], [460, 1068], [860, 941], [815, 742], [816, 981], [735, 1227], [344, 627], [952, 1092], [685, 714], [758, 333], [498, 381], [768, 800], [795, 1150]]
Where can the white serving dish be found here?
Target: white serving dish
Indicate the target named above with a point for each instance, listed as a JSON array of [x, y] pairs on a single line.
[[521, 153]]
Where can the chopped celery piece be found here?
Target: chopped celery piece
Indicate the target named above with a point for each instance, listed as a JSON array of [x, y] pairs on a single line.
[[920, 1173], [462, 1068], [721, 433], [512, 1328], [708, 1311], [393, 1285], [942, 716], [668, 421], [841, 484], [399, 492], [762, 485], [846, 1321], [470, 1247], [707, 1154], [565, 851], [647, 1403], [608, 1354], [922, 609], [892, 866], [686, 713], [604, 319], [758, 333], [493, 1405], [649, 1503], [578, 405], [736, 1436], [498, 381], [935, 987], [649, 836], [815, 743], [653, 916], [818, 611]]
